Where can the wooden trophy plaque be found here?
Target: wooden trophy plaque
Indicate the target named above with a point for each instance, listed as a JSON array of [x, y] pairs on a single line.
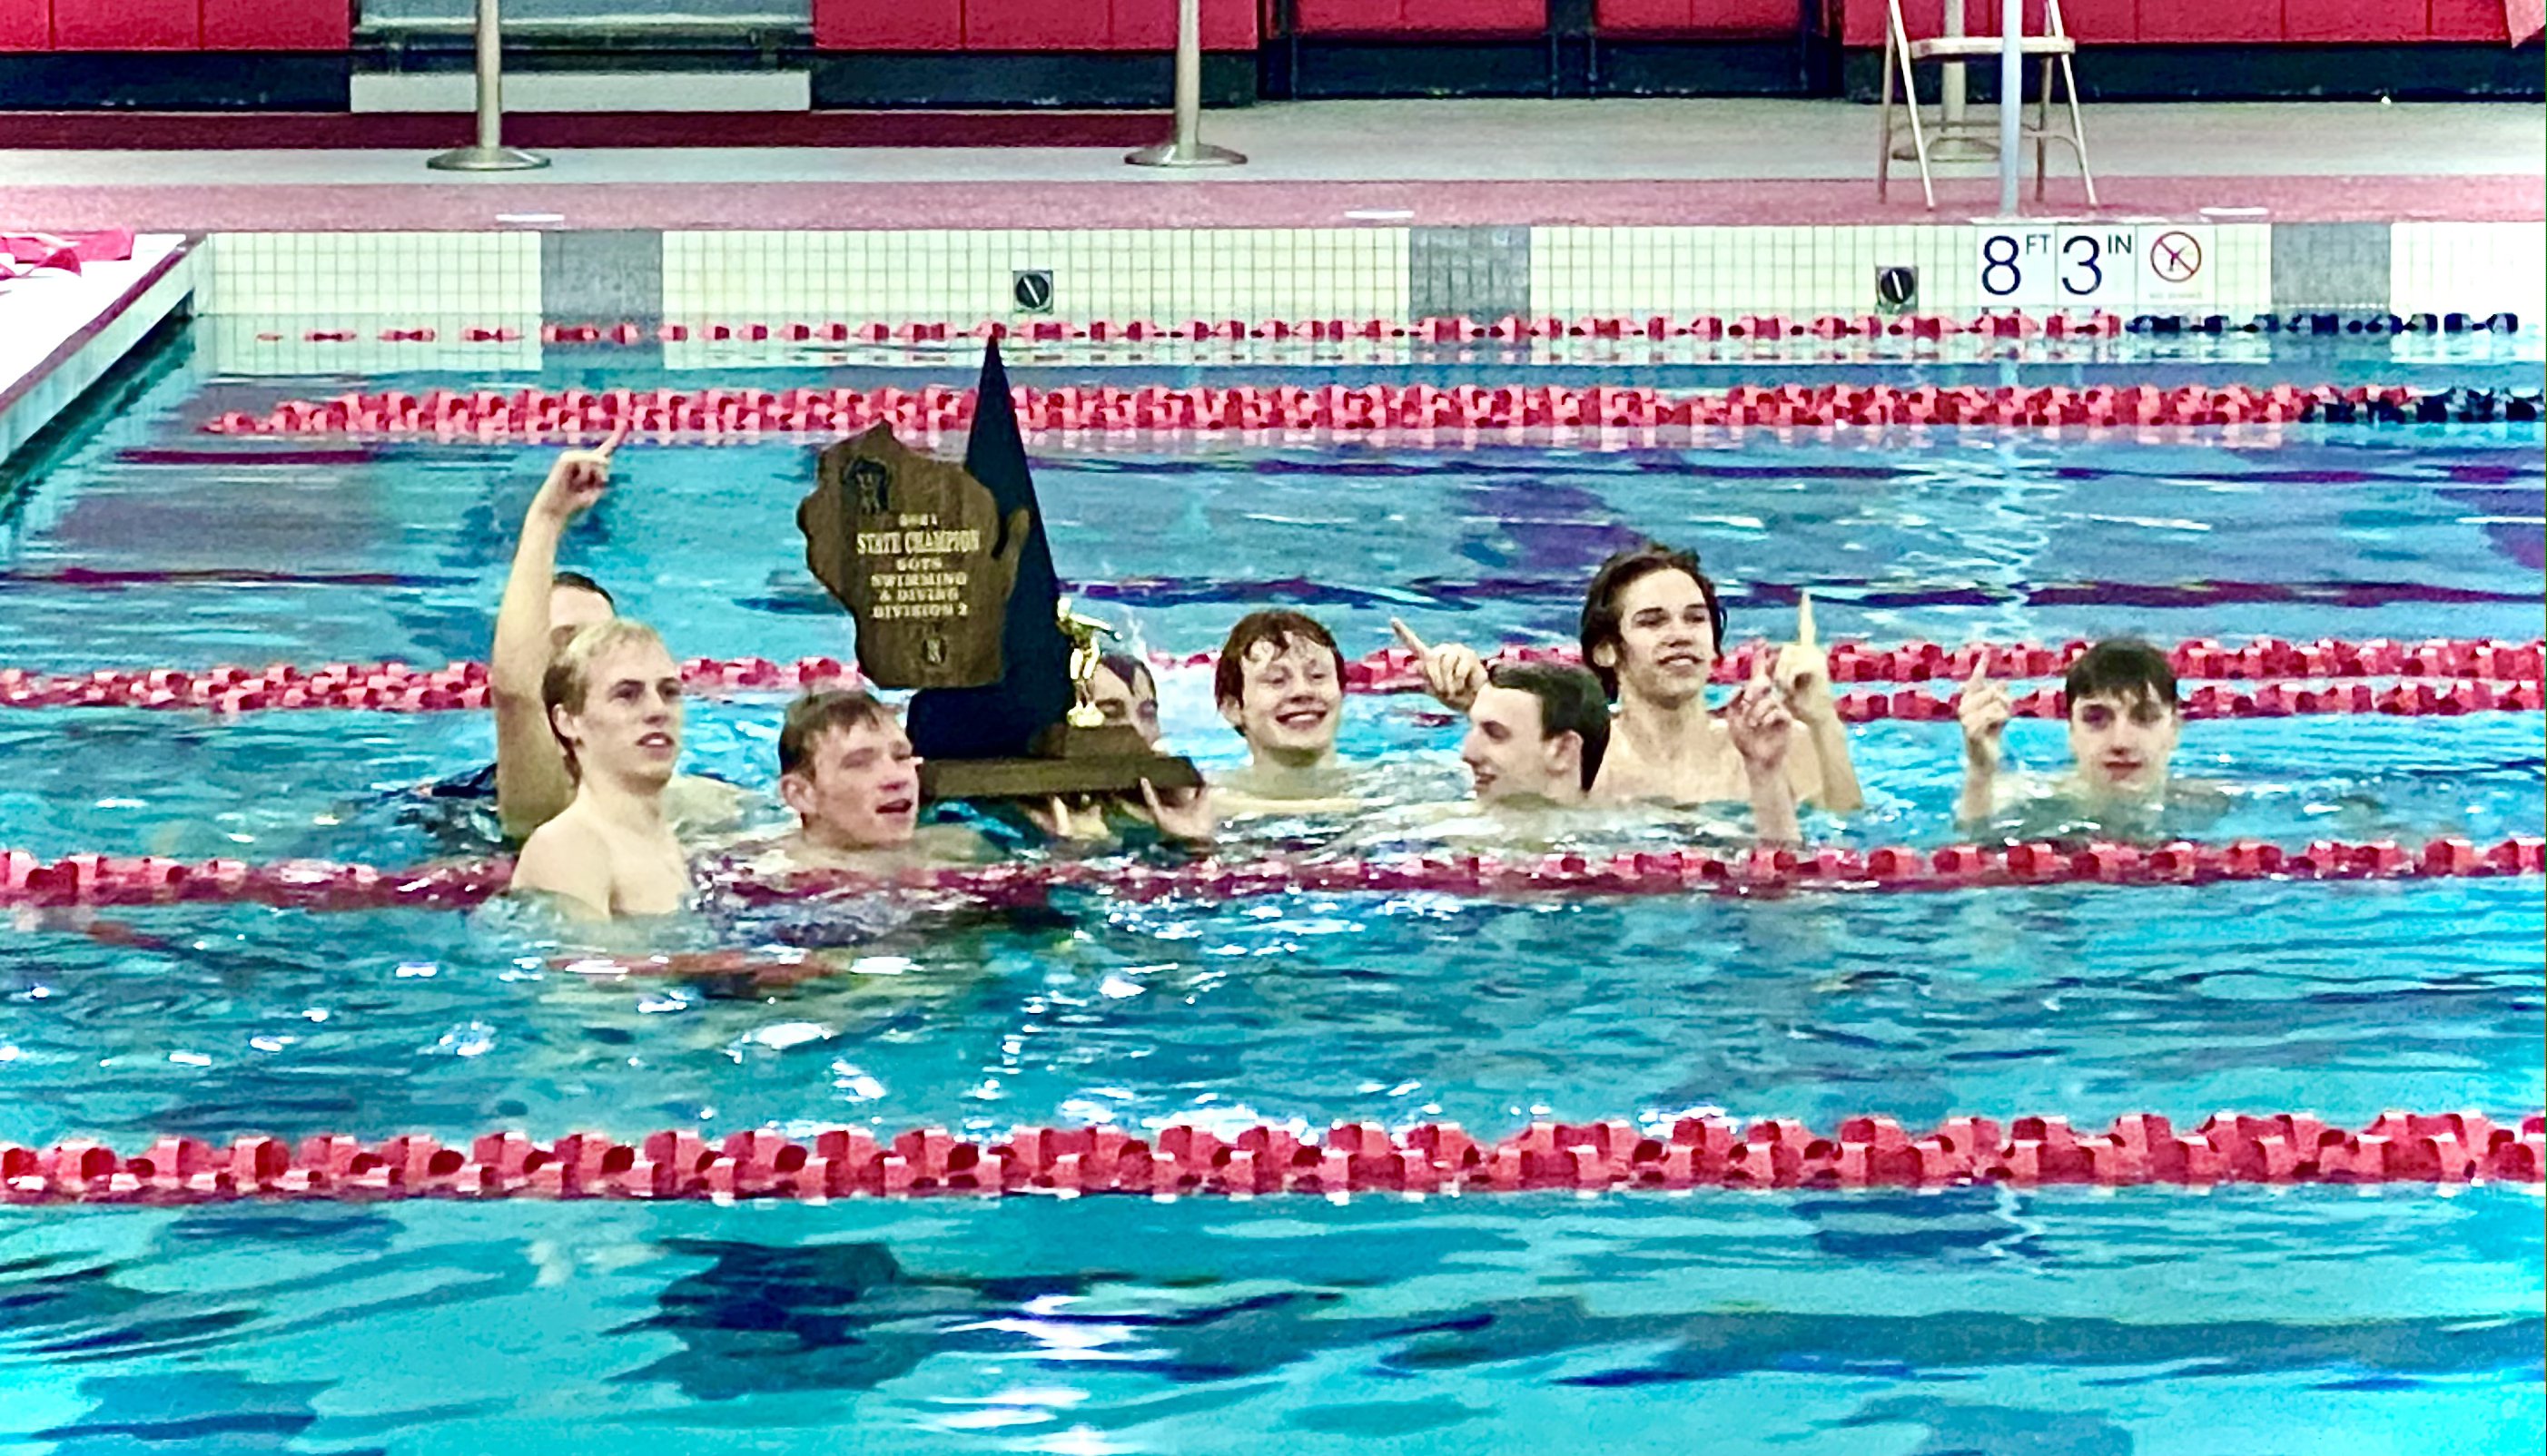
[[916, 549]]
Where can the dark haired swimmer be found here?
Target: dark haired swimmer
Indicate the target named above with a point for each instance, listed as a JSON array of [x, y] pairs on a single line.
[[847, 768], [2124, 718], [1125, 692], [1537, 735], [614, 706], [542, 609], [1544, 732], [1651, 629]]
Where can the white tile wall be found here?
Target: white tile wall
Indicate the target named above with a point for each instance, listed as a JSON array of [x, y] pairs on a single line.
[[372, 273], [281, 344], [2243, 269], [2468, 268], [1158, 275], [1680, 272], [1166, 276]]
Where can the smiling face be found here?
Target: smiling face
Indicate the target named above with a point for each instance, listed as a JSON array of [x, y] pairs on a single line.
[[1667, 643], [1134, 704], [628, 728], [2122, 741], [858, 787], [1510, 756], [571, 608], [1289, 701]]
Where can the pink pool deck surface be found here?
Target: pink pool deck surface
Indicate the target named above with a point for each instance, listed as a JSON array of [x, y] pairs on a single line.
[[1398, 163]]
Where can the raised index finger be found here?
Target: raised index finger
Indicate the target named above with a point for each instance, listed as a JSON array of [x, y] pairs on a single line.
[[1805, 619], [1407, 637], [618, 432]]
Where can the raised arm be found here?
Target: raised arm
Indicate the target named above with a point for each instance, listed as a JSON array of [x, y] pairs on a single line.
[[1982, 711], [1763, 732], [532, 785], [1452, 673], [1826, 775]]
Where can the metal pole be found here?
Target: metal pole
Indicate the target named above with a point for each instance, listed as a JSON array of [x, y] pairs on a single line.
[[1955, 140], [1187, 147], [1950, 86], [2011, 98], [491, 154]]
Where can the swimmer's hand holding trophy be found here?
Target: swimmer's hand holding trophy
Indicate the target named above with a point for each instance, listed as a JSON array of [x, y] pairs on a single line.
[[946, 571]]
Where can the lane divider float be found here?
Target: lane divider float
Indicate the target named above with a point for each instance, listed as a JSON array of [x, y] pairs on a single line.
[[2438, 676], [97, 879], [1618, 1155], [723, 416], [1459, 329]]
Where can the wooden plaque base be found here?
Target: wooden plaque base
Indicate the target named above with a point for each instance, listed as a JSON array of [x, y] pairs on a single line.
[[1111, 760], [1041, 778]]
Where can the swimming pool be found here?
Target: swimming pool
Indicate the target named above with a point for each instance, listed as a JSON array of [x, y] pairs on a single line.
[[2310, 1319]]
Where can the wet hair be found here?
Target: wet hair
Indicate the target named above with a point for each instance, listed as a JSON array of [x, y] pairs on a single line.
[[809, 717], [568, 679], [2122, 667], [1132, 671], [1624, 569], [582, 582], [1278, 628], [1570, 701]]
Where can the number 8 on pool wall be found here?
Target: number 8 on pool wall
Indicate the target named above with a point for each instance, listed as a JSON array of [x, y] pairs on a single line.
[[2017, 268]]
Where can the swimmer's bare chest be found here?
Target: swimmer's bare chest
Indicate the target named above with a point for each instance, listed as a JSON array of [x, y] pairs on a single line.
[[648, 877], [1691, 777]]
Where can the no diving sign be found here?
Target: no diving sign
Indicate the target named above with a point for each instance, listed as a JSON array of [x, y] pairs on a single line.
[[2122, 267], [2177, 266]]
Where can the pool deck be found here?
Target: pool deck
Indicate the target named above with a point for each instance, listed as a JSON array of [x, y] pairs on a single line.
[[1615, 162], [63, 330]]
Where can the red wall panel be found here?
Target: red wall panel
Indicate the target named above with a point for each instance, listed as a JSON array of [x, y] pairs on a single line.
[[126, 25], [2470, 20], [1695, 17], [277, 25], [1650, 16], [1037, 24], [2102, 22], [1478, 17], [26, 24], [1416, 17], [1862, 24], [2211, 20], [1151, 25], [888, 25], [1328, 17], [2351, 20]]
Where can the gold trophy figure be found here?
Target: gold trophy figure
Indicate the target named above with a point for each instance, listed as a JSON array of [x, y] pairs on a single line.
[[1085, 655]]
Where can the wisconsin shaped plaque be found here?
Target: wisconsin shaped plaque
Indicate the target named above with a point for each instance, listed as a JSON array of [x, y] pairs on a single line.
[[913, 548]]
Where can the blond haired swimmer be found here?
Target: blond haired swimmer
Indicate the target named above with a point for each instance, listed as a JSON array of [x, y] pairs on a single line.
[[543, 609], [614, 704]]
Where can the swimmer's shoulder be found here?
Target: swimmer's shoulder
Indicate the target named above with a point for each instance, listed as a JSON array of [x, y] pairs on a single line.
[[2201, 793], [1239, 805], [568, 860], [954, 844], [694, 804]]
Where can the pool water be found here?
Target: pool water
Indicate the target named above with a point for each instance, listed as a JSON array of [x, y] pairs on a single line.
[[2312, 1319]]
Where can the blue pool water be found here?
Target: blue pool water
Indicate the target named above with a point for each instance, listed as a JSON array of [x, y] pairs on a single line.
[[2301, 1320]]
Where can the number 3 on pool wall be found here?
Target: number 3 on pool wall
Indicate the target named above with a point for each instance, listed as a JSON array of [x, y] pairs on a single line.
[[2057, 268], [2097, 268]]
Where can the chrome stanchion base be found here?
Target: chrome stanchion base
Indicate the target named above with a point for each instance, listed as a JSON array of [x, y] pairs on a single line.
[[1167, 154], [486, 159]]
